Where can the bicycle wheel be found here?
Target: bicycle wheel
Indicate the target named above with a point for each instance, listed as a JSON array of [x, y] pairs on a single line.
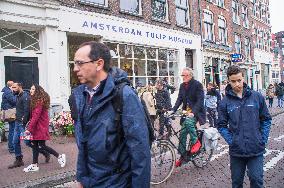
[[202, 158], [163, 158]]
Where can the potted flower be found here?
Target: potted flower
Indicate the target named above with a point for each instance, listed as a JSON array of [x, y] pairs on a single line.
[[63, 124]]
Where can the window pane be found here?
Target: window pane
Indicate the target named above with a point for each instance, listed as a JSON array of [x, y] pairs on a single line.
[[125, 50], [114, 62], [163, 68], [181, 3], [152, 68], [151, 53], [173, 69], [181, 16], [140, 82], [126, 65], [162, 54], [139, 52], [159, 9], [139, 67], [130, 5], [172, 55]]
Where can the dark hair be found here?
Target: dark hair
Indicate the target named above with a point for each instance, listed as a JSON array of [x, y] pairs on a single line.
[[99, 51], [40, 96], [234, 69], [20, 84]]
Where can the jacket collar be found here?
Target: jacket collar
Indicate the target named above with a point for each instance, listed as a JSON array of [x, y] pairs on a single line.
[[246, 91]]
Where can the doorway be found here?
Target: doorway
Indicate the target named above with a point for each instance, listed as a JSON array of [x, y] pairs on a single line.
[[22, 69]]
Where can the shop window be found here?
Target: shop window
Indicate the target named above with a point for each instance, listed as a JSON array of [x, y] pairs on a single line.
[[139, 52], [131, 6], [19, 39], [151, 68], [95, 2], [163, 68], [160, 10], [162, 54], [208, 26], [182, 12]]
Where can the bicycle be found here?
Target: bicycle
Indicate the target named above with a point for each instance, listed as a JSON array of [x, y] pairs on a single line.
[[163, 155]]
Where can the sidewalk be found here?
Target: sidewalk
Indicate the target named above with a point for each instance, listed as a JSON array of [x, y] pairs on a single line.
[[50, 174]]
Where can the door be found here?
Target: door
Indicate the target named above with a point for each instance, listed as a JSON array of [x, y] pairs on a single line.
[[22, 69]]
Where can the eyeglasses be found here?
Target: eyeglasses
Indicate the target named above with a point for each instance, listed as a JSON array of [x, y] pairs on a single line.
[[80, 63]]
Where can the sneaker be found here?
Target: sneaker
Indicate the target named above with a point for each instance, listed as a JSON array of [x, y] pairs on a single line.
[[195, 147], [62, 160], [31, 168]]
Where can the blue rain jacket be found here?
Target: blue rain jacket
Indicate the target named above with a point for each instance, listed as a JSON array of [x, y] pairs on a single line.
[[102, 161], [8, 99], [244, 122]]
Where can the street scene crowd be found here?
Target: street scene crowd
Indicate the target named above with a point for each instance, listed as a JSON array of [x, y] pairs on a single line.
[[115, 123]]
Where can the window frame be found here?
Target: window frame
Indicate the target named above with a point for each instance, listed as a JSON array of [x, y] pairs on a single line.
[[239, 43], [167, 11], [221, 3], [244, 16], [247, 47], [236, 16], [211, 24], [89, 2], [132, 12], [187, 19], [225, 30]]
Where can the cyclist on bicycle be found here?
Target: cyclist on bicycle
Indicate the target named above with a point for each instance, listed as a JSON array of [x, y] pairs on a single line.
[[191, 95], [163, 104]]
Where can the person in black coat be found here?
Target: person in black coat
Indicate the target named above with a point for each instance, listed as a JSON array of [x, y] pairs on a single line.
[[191, 96]]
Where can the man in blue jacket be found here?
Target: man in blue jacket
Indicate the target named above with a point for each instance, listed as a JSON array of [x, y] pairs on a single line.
[[244, 122], [9, 102], [103, 160]]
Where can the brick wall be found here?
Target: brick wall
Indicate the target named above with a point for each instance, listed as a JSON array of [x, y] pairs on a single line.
[[114, 10]]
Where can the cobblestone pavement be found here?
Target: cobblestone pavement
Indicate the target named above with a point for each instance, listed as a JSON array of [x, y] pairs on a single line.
[[215, 174]]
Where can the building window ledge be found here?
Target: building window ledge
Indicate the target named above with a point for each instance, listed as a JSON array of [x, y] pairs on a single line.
[[131, 13], [161, 21], [106, 7]]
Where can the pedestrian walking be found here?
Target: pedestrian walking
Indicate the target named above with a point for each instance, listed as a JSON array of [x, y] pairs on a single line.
[[280, 93], [163, 105], [150, 102], [211, 104], [22, 117], [38, 126], [244, 122], [9, 102], [270, 92], [110, 153], [191, 96]]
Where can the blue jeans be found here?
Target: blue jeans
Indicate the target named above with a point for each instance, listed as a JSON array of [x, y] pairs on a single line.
[[19, 128], [280, 101], [11, 135], [254, 166]]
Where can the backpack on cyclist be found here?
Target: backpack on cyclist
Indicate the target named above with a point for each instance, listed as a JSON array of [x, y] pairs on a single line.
[[117, 103]]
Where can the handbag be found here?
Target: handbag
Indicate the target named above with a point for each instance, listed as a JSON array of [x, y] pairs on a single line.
[[26, 135], [8, 115]]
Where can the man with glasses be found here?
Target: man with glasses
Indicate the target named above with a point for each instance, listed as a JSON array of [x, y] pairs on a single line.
[[191, 96], [103, 159], [244, 122]]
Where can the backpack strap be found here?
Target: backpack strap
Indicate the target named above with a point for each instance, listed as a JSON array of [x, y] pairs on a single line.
[[117, 102]]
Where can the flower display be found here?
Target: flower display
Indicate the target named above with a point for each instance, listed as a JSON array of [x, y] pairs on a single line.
[[63, 123]]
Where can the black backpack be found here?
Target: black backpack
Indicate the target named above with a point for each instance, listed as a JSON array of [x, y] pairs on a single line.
[[117, 103]]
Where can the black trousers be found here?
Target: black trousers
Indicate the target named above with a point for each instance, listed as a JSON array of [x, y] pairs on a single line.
[[38, 146]]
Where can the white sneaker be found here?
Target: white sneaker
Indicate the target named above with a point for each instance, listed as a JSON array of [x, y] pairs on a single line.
[[31, 168], [62, 160]]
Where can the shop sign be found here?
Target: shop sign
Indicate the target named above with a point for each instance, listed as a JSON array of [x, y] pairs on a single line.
[[132, 31], [236, 57]]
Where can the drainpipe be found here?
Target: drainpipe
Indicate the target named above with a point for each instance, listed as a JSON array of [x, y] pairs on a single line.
[[201, 37]]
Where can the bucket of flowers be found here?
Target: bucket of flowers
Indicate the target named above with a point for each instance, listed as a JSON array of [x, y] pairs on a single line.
[[63, 124]]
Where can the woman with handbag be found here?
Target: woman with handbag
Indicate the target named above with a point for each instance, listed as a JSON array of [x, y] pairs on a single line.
[[38, 126]]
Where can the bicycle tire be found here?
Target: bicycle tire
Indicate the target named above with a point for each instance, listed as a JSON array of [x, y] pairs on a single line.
[[161, 149], [202, 158]]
